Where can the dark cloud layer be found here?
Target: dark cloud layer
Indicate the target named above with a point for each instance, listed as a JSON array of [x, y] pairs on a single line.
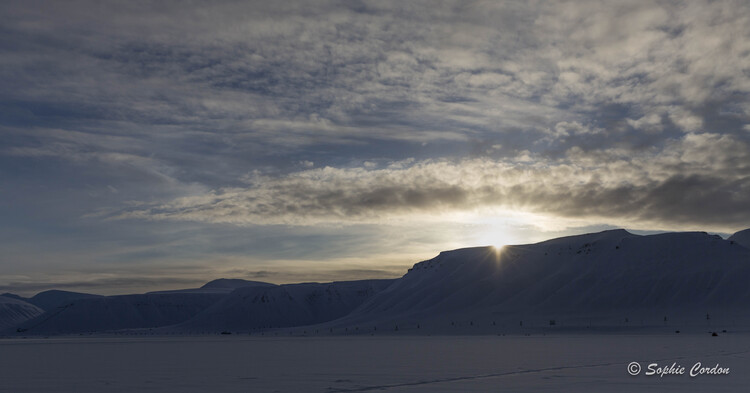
[[699, 181]]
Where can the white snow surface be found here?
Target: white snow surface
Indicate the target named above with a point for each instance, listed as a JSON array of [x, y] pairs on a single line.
[[553, 363], [15, 311]]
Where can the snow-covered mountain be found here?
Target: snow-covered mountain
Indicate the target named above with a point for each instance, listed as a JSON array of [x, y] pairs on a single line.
[[742, 238], [254, 307], [14, 311], [63, 312], [216, 306], [221, 285], [612, 278], [234, 283], [107, 313], [49, 300]]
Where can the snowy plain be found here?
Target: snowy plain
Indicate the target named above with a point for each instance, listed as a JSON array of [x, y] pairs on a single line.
[[240, 363]]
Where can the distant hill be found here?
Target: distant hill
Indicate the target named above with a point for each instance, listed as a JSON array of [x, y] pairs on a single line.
[[52, 299], [14, 311], [742, 238], [221, 285], [257, 307], [14, 296], [234, 283], [111, 313]]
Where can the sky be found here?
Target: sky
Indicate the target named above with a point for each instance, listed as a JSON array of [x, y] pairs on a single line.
[[152, 145]]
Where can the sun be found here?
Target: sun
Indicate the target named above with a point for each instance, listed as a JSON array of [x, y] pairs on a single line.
[[494, 239], [492, 231], [497, 246], [497, 252], [499, 249]]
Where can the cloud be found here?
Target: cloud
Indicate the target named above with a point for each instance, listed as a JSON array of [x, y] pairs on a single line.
[[106, 284], [189, 93], [283, 75], [290, 275], [697, 181]]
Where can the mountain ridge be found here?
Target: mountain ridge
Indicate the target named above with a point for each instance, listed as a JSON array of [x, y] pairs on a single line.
[[741, 237], [607, 278]]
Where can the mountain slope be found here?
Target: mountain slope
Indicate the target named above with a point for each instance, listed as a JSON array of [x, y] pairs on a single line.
[[14, 311], [52, 299], [107, 313], [742, 238], [285, 305], [603, 275]]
